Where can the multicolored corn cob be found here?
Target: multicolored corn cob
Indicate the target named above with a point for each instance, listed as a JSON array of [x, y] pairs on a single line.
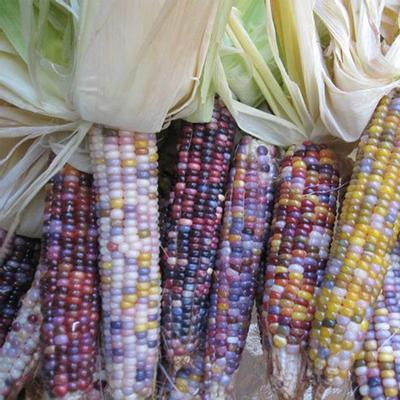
[[204, 152], [126, 178], [297, 252], [20, 353], [368, 227], [70, 301], [16, 276], [247, 215], [377, 368]]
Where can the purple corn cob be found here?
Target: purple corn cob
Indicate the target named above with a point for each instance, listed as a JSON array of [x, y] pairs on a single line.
[[247, 215], [70, 303], [195, 213], [20, 353]]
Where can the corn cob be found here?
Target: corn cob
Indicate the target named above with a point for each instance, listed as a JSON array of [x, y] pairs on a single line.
[[297, 253], [69, 295], [204, 153], [20, 353], [247, 214], [16, 276], [360, 254], [125, 172], [377, 368]]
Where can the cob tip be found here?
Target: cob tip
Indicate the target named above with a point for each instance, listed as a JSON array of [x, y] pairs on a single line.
[[324, 391], [287, 373]]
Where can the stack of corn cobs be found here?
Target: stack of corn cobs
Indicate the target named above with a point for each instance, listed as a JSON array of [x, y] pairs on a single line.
[[165, 310]]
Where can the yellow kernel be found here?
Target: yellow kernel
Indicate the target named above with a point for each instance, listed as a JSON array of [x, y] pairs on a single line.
[[234, 238], [238, 184], [143, 285], [141, 328], [331, 372], [333, 308], [279, 341], [299, 316], [152, 325], [196, 378], [335, 348], [106, 280], [324, 342], [349, 303], [300, 308], [388, 373], [347, 312], [319, 315], [299, 164], [144, 257], [357, 241], [364, 325], [313, 354], [130, 298], [143, 233], [106, 265], [337, 338], [304, 295], [295, 275], [376, 128], [141, 144], [129, 163], [390, 391], [347, 345], [181, 385], [344, 277], [126, 304], [319, 364], [117, 203], [386, 357], [325, 332], [153, 157], [344, 374], [381, 311], [144, 264]]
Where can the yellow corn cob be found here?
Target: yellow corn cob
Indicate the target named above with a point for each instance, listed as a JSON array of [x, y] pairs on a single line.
[[367, 229]]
